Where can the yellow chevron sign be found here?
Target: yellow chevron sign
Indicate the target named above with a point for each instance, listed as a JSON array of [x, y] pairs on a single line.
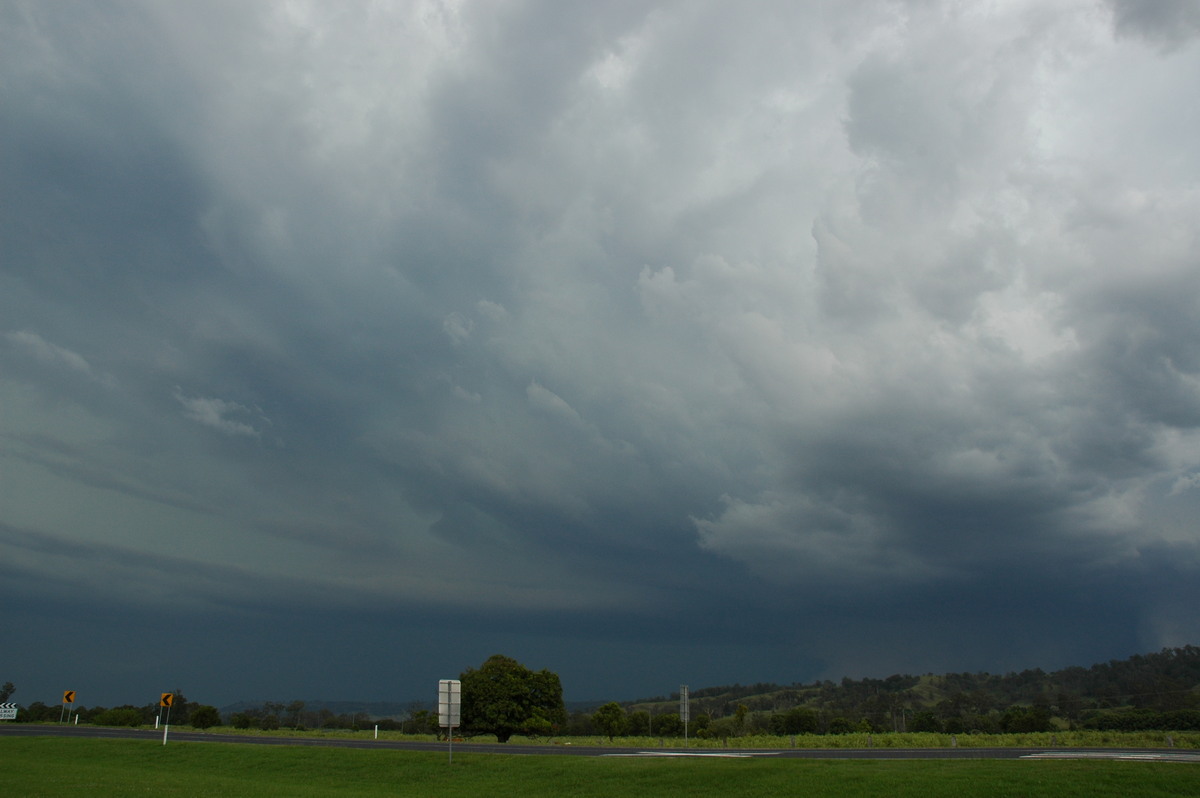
[[68, 696], [166, 700]]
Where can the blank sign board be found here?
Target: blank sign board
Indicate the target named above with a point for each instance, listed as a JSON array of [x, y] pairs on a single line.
[[449, 702]]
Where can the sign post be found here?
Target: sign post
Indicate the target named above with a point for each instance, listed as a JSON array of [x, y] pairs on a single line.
[[685, 711], [166, 700], [450, 708], [68, 698]]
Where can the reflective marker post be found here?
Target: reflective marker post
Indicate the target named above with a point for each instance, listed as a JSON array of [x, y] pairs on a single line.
[[450, 708], [685, 711]]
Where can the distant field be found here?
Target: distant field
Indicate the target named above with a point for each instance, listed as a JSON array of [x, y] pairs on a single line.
[[47, 766]]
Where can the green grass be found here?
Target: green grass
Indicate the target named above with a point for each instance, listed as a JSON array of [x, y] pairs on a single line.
[[47, 766]]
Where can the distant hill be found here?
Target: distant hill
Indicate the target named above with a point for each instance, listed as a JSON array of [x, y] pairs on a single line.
[[374, 709], [1165, 681]]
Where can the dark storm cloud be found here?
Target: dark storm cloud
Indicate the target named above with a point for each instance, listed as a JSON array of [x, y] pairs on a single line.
[[1169, 23], [817, 338]]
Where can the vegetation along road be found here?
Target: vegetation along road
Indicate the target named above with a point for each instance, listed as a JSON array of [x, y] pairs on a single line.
[[94, 732]]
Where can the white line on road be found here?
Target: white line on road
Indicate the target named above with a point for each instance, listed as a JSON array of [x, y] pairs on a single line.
[[1146, 756]]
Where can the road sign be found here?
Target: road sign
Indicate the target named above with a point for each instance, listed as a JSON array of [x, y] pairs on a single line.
[[449, 703], [685, 706], [450, 708], [166, 700], [8, 711], [68, 696]]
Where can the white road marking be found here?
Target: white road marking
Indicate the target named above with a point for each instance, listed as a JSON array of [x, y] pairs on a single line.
[[741, 755], [1145, 756]]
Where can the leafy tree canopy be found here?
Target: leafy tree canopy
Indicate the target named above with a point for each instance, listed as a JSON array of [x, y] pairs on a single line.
[[205, 717], [504, 698], [610, 719]]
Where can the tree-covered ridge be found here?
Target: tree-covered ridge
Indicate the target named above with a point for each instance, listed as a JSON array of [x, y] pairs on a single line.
[[1163, 682]]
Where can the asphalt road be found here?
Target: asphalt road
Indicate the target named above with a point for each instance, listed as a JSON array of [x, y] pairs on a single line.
[[94, 732]]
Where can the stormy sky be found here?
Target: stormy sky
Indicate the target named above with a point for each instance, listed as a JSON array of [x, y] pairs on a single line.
[[343, 345]]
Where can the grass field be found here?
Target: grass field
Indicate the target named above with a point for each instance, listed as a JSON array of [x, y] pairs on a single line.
[[47, 766]]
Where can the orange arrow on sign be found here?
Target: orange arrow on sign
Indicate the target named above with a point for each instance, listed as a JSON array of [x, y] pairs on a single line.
[[68, 696]]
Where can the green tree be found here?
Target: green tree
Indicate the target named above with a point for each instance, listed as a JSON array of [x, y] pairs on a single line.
[[421, 721], [179, 709], [925, 721], [37, 712], [7, 690], [668, 725], [640, 723], [840, 725], [119, 716], [504, 698], [205, 717], [1018, 720], [799, 720], [610, 719]]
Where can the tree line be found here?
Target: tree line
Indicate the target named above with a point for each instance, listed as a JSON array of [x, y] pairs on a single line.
[[1155, 691], [182, 712], [502, 697]]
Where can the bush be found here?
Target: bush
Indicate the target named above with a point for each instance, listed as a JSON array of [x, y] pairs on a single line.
[[800, 720], [205, 717], [840, 725], [241, 720], [1022, 720], [925, 722], [1145, 720], [120, 716]]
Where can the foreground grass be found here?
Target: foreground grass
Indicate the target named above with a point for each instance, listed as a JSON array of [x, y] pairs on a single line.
[[47, 766]]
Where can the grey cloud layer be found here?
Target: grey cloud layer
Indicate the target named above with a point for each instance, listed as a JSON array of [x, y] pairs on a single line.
[[616, 309]]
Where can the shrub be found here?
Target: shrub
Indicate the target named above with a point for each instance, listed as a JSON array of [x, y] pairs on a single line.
[[119, 716], [925, 722], [204, 717], [840, 725]]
